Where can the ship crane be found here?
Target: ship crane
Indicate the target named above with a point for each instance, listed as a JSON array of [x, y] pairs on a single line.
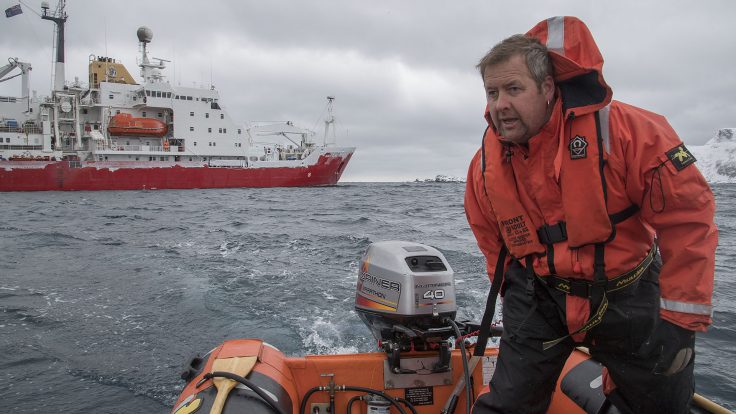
[[25, 70]]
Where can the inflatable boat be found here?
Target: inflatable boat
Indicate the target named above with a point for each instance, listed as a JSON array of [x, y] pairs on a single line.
[[406, 296]]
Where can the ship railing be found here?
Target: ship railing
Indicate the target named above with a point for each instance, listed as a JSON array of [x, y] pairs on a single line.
[[10, 129], [22, 147], [228, 163], [28, 129], [141, 148], [72, 146]]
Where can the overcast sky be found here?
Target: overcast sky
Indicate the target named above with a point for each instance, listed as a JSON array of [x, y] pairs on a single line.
[[403, 72]]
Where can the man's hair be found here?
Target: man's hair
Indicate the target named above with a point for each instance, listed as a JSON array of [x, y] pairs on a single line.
[[530, 48]]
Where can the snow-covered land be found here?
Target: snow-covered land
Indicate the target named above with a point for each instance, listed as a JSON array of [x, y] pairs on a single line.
[[441, 179], [717, 158]]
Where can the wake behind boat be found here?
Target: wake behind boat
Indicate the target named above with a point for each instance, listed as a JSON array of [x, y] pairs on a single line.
[[406, 296], [113, 133]]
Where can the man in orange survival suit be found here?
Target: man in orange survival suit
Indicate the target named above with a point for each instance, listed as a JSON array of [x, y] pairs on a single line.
[[581, 191]]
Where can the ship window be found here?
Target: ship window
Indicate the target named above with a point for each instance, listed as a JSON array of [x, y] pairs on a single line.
[[127, 142], [222, 116], [84, 111], [148, 93], [238, 131], [191, 114], [209, 130], [137, 158], [191, 128], [195, 143], [162, 158], [160, 115], [105, 157], [134, 99], [220, 130], [207, 115], [143, 114], [254, 158], [117, 112], [168, 94], [111, 97], [176, 97], [95, 126], [214, 144], [209, 144], [190, 158], [159, 94], [189, 98], [224, 130]]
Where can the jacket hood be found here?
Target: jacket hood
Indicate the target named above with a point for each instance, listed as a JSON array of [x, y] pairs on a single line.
[[577, 62]]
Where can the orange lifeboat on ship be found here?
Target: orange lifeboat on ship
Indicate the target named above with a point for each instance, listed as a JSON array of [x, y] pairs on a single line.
[[126, 124]]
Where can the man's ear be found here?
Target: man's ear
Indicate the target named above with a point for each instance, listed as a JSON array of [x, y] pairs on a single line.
[[548, 88]]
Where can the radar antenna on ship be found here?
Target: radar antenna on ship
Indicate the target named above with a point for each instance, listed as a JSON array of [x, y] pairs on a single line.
[[149, 71]]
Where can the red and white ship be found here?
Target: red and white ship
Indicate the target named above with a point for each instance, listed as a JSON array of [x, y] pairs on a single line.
[[117, 134]]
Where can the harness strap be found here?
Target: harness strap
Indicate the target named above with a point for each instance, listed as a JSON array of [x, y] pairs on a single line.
[[555, 233], [582, 288], [619, 282], [624, 214], [485, 323]]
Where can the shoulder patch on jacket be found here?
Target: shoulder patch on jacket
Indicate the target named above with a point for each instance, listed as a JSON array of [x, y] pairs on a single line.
[[680, 157]]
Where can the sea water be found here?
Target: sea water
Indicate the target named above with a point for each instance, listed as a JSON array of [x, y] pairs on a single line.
[[105, 295]]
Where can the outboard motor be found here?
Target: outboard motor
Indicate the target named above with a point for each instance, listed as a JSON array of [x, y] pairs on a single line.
[[405, 295]]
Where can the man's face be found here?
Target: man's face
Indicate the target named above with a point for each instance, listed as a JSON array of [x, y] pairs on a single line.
[[518, 108]]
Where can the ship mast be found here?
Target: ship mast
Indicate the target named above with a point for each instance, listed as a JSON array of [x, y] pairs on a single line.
[[59, 18], [330, 121]]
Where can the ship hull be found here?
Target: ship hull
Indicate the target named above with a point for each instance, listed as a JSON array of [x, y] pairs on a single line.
[[97, 176]]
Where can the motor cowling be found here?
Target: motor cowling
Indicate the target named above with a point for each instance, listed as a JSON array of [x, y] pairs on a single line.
[[404, 293]]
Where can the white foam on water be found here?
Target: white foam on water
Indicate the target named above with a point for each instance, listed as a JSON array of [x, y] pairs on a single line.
[[323, 337]]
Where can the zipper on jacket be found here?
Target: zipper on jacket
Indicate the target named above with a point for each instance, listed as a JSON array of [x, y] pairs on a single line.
[[508, 153]]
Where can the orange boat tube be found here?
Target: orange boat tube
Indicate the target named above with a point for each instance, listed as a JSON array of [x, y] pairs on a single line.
[[311, 384]]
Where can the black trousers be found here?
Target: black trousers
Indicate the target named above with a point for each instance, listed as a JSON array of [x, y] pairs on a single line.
[[526, 375]]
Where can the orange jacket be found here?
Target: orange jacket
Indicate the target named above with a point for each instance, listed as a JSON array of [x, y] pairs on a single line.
[[646, 164]]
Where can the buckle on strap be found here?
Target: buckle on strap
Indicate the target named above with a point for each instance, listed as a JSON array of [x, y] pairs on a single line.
[[579, 287], [549, 234]]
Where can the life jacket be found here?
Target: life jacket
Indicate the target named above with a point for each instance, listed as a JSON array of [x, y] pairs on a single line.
[[582, 185]]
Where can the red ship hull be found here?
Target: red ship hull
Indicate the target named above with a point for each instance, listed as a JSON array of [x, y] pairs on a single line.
[[95, 176]]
